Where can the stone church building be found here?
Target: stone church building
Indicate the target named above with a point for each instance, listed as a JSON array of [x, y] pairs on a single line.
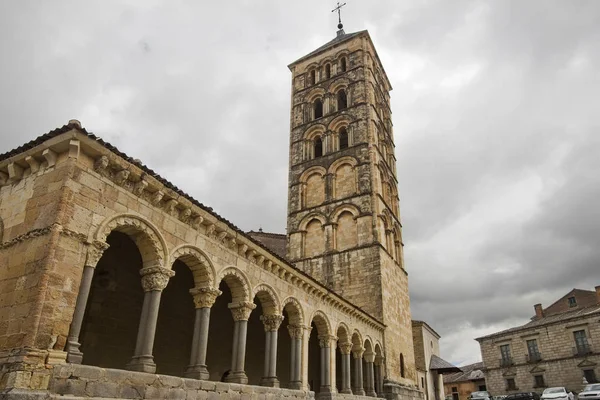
[[116, 284]]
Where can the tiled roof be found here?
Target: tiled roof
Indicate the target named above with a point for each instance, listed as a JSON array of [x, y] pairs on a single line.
[[468, 373], [442, 366], [551, 319], [337, 40], [75, 126], [277, 242]]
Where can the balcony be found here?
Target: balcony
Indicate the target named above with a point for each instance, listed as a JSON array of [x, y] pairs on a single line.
[[534, 357], [506, 362], [582, 350]]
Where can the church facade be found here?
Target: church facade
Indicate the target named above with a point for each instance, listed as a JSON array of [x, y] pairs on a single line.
[[116, 284]]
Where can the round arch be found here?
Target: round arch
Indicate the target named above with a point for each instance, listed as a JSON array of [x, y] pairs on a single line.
[[342, 161], [268, 299], [238, 283], [198, 262], [357, 340], [146, 236], [339, 122], [351, 208], [338, 84], [343, 333], [315, 131], [314, 215], [311, 171], [321, 322], [316, 93], [294, 310]]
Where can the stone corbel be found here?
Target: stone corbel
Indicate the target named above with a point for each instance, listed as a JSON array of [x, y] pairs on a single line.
[[74, 146], [210, 230], [197, 221], [157, 197], [185, 214], [221, 236], [170, 206], [250, 254], [260, 260], [121, 177], [243, 249], [15, 171], [233, 243], [50, 157], [101, 164], [269, 265], [34, 165], [139, 187]]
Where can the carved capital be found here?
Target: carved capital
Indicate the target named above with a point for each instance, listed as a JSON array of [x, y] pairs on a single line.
[[205, 297], [155, 278], [271, 322], [369, 357], [296, 331], [358, 352], [345, 348], [241, 311], [325, 340]]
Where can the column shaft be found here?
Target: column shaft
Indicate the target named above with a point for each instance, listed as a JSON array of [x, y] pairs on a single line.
[[74, 354], [143, 359], [267, 366], [370, 389], [346, 374], [197, 368], [273, 354], [358, 377]]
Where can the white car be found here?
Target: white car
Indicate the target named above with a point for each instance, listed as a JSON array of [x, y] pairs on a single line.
[[557, 393], [590, 392]]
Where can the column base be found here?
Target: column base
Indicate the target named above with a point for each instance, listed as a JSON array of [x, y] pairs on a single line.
[[270, 381], [197, 372], [371, 393], [237, 377], [346, 391], [295, 385], [359, 392], [142, 364], [74, 355]]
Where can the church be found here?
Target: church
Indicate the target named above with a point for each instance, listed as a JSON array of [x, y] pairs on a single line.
[[115, 284]]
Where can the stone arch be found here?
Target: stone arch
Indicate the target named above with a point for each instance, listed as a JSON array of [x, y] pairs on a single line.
[[147, 237], [343, 333], [353, 162], [351, 208], [294, 310], [315, 131], [313, 186], [344, 176], [198, 262], [268, 299], [238, 283], [316, 93], [321, 322], [314, 215], [312, 170], [338, 84], [378, 349], [346, 227], [368, 344], [340, 121], [357, 340]]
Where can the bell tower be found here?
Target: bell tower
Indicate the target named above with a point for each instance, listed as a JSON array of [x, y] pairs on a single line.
[[343, 215]]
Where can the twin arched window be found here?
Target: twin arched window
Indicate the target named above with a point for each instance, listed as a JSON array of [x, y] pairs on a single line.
[[342, 100], [343, 138], [318, 147], [318, 108]]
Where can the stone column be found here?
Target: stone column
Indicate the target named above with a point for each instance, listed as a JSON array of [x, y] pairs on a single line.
[[240, 312], [154, 280], [370, 374], [296, 335], [94, 252], [379, 375], [271, 323], [325, 344], [345, 349], [358, 372], [204, 298]]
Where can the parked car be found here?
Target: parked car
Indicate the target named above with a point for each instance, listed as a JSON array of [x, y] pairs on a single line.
[[557, 393], [590, 392], [483, 395], [523, 396], [499, 397]]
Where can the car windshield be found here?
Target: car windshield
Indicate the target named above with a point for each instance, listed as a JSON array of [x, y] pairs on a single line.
[[590, 388], [479, 394], [554, 390]]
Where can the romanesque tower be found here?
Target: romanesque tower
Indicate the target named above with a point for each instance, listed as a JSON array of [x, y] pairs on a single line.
[[343, 217]]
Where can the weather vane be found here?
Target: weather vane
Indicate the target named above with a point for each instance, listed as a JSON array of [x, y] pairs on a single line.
[[339, 11]]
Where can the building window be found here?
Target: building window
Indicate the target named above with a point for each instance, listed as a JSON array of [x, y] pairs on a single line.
[[318, 147], [343, 64], [581, 344], [343, 138], [402, 372], [511, 384], [318, 108], [313, 77], [539, 381], [590, 376], [328, 71], [506, 359], [342, 100], [422, 382], [533, 351], [482, 388], [572, 302]]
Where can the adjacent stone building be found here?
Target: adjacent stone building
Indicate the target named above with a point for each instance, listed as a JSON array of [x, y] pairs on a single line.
[[116, 284], [461, 384], [430, 366], [559, 347]]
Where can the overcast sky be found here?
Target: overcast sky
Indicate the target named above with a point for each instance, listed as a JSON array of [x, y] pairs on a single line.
[[495, 105]]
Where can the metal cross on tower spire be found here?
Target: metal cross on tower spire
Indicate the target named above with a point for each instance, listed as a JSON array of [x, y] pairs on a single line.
[[339, 11]]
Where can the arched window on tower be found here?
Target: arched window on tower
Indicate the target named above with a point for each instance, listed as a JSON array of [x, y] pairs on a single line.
[[342, 100], [318, 108], [318, 147], [328, 71], [343, 138], [343, 64], [313, 77], [402, 372]]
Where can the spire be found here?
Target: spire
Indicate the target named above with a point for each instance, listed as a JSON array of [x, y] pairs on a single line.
[[340, 26]]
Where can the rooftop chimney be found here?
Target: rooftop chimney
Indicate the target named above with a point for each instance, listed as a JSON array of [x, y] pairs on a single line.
[[539, 311], [598, 294]]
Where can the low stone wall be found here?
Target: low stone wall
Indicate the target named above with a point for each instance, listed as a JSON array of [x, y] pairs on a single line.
[[396, 391]]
